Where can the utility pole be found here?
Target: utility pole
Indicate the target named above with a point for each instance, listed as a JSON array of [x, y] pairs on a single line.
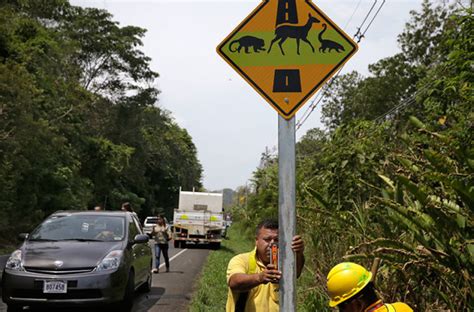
[[287, 212], [287, 80]]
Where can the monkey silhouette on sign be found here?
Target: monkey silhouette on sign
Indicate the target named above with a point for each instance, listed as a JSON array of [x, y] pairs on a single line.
[[248, 42], [328, 44]]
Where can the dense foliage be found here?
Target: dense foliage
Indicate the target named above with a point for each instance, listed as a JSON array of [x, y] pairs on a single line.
[[393, 175], [79, 124]]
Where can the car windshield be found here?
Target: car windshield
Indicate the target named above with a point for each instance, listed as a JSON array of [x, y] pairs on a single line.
[[80, 227]]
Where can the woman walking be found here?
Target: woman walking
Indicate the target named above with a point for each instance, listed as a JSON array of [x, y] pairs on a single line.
[[162, 235]]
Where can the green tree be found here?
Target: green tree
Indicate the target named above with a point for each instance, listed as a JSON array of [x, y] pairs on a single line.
[[79, 124], [354, 97]]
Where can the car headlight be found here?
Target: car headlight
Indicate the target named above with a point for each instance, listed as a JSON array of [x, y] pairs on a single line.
[[111, 261], [14, 261]]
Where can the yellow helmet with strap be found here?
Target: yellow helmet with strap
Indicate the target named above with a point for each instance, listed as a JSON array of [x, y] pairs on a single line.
[[345, 280]]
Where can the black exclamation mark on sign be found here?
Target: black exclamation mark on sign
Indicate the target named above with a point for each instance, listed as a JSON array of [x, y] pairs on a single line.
[[287, 80]]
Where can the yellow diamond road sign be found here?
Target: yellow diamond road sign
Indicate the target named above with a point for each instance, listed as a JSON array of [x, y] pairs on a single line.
[[286, 50]]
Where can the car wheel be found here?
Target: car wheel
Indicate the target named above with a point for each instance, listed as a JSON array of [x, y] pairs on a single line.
[[146, 287], [127, 302], [176, 244], [14, 308]]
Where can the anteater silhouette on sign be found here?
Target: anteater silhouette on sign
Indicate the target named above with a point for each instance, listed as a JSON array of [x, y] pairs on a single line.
[[284, 32], [247, 42], [328, 44]]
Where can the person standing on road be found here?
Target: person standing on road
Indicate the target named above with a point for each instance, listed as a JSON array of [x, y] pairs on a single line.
[[351, 290], [252, 281], [162, 235]]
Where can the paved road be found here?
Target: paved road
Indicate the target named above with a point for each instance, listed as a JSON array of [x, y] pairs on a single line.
[[171, 292]]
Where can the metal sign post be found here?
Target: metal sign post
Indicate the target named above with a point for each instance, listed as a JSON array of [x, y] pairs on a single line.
[[287, 212]]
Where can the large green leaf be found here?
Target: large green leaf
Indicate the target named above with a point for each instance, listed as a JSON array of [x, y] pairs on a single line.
[[412, 188]]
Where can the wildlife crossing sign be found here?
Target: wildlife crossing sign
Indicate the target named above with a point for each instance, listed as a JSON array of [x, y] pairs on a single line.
[[286, 50]]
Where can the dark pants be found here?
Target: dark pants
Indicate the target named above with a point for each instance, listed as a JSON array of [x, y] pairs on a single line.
[[161, 248]]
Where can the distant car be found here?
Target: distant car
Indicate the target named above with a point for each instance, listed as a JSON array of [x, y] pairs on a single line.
[[148, 225], [79, 258]]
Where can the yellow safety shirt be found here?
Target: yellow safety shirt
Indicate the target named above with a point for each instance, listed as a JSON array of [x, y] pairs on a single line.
[[264, 297], [379, 306]]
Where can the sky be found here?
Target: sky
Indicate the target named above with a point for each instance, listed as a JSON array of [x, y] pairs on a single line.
[[229, 122]]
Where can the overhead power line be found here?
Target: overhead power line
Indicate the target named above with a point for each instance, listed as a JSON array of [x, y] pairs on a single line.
[[352, 15], [371, 21], [313, 104], [359, 36], [363, 22], [402, 105], [316, 101], [405, 103]]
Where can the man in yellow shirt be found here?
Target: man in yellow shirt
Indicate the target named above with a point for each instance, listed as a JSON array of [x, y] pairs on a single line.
[[351, 290], [252, 280]]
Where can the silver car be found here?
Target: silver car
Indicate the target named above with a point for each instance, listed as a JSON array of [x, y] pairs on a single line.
[[79, 258], [148, 225]]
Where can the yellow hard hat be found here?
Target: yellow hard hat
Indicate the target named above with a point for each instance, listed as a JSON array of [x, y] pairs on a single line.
[[345, 280]]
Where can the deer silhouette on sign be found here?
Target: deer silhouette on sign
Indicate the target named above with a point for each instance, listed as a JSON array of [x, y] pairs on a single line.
[[284, 32]]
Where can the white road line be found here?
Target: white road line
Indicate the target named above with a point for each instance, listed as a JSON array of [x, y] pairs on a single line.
[[175, 256]]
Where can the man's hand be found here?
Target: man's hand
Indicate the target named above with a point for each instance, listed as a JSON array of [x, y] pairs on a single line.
[[297, 244], [270, 275]]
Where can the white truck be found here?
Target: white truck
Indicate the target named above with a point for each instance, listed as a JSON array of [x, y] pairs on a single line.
[[198, 219]]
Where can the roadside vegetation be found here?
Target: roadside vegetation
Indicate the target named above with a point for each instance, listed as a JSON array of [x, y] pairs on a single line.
[[7, 246], [392, 174], [79, 120]]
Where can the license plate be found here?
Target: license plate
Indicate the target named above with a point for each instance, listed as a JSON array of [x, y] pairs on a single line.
[[55, 287]]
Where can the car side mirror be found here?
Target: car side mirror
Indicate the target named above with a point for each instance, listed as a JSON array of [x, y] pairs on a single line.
[[23, 236], [140, 239]]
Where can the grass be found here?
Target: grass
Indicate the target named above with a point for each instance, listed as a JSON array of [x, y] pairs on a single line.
[[6, 250], [211, 289]]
